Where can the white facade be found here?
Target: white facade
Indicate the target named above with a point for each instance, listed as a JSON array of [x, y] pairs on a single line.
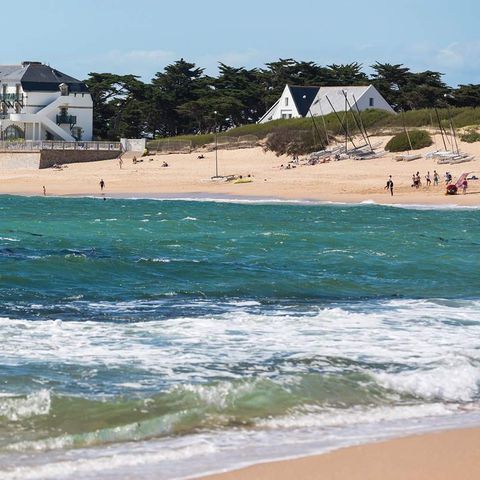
[[40, 103], [296, 102], [343, 99]]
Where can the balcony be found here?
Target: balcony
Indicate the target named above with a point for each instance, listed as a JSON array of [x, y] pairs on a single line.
[[11, 98], [66, 119]]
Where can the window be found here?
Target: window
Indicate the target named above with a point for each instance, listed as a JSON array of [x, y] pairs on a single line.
[[286, 102], [13, 132], [370, 102]]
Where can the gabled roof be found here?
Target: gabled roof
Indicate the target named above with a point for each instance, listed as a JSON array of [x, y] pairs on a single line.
[[337, 97], [303, 97], [35, 76]]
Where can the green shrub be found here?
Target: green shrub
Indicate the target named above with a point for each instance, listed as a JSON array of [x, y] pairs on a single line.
[[470, 136], [291, 142], [400, 143]]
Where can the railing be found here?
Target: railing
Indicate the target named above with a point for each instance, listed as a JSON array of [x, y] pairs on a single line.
[[68, 119], [31, 145], [11, 97]]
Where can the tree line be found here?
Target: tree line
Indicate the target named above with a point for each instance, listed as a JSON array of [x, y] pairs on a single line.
[[182, 99]]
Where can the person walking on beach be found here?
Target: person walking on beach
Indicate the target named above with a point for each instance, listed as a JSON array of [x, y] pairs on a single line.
[[418, 181], [44, 191], [389, 185], [464, 186], [120, 162], [428, 180], [436, 178], [102, 184]]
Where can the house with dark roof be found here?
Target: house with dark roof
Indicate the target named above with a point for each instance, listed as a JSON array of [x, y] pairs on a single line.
[[37, 102], [300, 101]]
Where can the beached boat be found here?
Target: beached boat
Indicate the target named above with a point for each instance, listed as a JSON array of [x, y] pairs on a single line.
[[407, 157], [452, 158]]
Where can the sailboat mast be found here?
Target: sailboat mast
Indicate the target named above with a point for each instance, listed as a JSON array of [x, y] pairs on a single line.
[[406, 131], [441, 128], [340, 121], [358, 121]]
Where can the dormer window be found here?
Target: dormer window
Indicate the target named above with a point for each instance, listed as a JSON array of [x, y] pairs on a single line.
[[63, 89]]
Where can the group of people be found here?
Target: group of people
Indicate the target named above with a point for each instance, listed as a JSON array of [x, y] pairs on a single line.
[[417, 181]]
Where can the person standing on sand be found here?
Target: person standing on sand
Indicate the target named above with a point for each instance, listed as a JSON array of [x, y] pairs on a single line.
[[435, 178], [389, 185], [44, 191], [120, 162], [464, 186], [102, 184]]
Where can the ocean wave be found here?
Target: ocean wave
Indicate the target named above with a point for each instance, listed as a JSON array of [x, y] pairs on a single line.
[[20, 408], [456, 380]]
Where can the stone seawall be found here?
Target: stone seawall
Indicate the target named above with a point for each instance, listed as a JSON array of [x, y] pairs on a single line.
[[48, 158], [19, 160]]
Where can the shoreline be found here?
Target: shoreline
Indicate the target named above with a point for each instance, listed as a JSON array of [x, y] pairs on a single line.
[[249, 199], [452, 454]]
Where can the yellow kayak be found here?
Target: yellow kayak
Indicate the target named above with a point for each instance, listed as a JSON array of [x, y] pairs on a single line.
[[243, 180]]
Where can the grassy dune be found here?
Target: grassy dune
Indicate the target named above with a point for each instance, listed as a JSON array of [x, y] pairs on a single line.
[[375, 121]]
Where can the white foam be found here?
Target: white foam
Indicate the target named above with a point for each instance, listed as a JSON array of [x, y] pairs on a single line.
[[419, 334], [17, 408], [456, 380], [357, 415], [101, 464]]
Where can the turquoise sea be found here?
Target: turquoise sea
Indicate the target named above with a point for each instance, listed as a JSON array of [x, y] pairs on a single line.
[[166, 338]]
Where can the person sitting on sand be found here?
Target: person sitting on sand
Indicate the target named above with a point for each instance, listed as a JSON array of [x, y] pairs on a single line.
[[164, 164], [201, 156]]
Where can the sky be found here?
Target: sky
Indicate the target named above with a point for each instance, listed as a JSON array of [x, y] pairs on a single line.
[[143, 36]]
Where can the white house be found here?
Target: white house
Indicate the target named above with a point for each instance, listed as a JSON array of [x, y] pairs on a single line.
[[297, 101], [38, 102]]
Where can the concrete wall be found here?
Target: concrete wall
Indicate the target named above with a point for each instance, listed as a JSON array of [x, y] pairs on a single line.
[[133, 144], [48, 158], [14, 160], [378, 101]]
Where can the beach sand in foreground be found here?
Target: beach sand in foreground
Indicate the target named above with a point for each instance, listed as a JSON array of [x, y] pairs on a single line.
[[448, 455], [350, 181]]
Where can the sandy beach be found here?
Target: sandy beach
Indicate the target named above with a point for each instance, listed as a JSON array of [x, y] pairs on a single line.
[[338, 181], [450, 455]]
